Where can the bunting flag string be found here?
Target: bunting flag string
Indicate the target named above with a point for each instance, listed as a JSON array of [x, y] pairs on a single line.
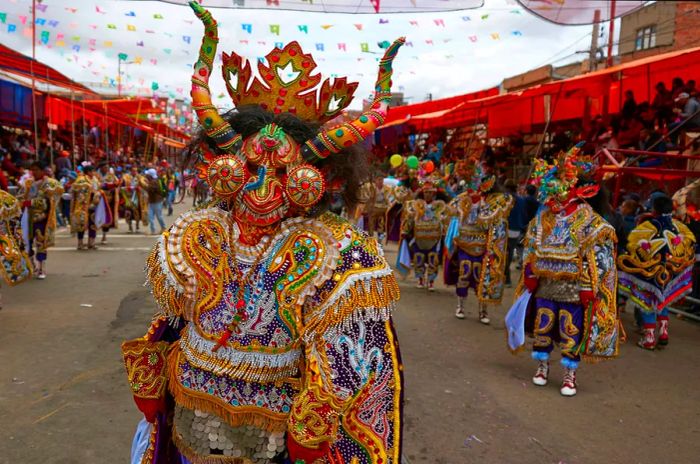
[[105, 37]]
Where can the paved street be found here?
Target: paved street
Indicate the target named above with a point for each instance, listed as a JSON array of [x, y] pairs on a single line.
[[64, 398]]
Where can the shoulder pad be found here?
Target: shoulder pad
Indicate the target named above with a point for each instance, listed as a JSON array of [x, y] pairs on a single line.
[[361, 285]]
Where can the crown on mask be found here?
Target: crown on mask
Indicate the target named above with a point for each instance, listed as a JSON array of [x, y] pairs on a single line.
[[269, 173], [289, 85], [569, 175]]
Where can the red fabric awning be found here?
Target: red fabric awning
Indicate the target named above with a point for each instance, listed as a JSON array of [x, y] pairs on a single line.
[[13, 62], [560, 100], [62, 111], [418, 109], [132, 106]]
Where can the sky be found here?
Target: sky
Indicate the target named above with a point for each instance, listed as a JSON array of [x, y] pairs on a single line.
[[450, 53]]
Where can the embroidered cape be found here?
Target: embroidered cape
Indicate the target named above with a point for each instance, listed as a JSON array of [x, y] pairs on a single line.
[[578, 247], [482, 230], [657, 267], [316, 356]]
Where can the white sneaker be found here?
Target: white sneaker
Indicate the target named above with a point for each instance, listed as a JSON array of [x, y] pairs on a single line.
[[431, 287], [459, 314], [484, 318], [568, 385], [542, 374], [41, 275], [420, 284]]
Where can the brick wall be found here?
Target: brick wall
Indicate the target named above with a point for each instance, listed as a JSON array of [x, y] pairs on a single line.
[[686, 32], [687, 25]]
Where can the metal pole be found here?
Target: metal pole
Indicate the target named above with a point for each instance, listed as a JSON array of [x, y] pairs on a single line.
[[694, 317], [50, 145], [106, 121], [119, 76], [85, 149], [611, 33], [36, 124], [592, 60], [72, 125]]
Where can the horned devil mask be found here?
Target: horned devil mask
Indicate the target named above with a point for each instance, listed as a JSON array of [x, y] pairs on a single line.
[[269, 175]]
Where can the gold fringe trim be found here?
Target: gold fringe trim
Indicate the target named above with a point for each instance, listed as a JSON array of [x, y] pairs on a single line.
[[383, 293], [234, 416], [150, 452], [167, 297], [518, 350], [195, 458], [596, 359], [622, 331]]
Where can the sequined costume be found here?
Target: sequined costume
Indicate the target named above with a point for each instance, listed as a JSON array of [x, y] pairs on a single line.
[[571, 252], [134, 200], [478, 255], [40, 197], [656, 270], [16, 265], [316, 356], [397, 196], [84, 202], [377, 209], [422, 227], [569, 269], [273, 341], [109, 189]]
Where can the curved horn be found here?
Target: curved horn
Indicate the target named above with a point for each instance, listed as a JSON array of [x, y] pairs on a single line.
[[350, 133], [214, 125]]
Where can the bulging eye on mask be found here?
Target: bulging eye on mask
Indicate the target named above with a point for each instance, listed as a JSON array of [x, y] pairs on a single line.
[[267, 177]]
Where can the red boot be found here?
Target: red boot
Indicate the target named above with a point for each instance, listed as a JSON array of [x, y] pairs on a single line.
[[648, 341]]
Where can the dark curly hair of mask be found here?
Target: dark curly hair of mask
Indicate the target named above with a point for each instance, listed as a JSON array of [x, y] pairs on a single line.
[[350, 165]]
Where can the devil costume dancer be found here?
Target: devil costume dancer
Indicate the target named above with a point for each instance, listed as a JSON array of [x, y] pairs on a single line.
[[657, 269], [476, 242], [15, 264], [41, 194], [85, 199], [274, 341], [109, 190], [134, 199], [422, 228], [569, 269]]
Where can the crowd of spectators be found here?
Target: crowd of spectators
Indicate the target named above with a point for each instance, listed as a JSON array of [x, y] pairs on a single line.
[[649, 126], [159, 179]]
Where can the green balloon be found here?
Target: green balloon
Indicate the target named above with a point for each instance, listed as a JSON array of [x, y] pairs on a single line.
[[412, 162]]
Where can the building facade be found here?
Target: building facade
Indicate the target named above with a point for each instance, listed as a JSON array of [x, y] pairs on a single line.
[[659, 28]]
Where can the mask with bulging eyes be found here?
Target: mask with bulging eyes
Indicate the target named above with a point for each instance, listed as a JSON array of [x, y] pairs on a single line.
[[267, 178], [565, 181], [269, 175]]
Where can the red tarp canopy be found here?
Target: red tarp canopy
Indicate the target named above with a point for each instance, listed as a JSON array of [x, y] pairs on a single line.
[[562, 100], [133, 107], [407, 112], [62, 111], [13, 62], [103, 113], [567, 99]]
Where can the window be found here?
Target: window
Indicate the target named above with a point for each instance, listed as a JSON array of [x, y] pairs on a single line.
[[646, 38]]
